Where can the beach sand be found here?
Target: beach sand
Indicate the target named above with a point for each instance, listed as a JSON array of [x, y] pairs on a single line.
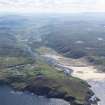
[[85, 71]]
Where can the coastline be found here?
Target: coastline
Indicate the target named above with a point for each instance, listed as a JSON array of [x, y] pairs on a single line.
[[49, 93], [84, 72]]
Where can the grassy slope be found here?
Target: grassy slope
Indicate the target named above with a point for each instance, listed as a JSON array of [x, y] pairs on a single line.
[[22, 77]]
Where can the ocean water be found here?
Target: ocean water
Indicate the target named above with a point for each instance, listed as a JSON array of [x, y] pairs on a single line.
[[10, 97]]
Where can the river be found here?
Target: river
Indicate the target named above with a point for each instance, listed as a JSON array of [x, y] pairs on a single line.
[[9, 97]]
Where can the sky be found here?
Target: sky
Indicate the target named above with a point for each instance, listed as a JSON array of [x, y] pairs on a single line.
[[52, 5]]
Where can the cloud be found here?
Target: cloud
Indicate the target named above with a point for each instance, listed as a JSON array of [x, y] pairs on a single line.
[[52, 5]]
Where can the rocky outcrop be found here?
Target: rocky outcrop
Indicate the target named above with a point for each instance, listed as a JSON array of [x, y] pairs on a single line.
[[49, 93], [44, 89]]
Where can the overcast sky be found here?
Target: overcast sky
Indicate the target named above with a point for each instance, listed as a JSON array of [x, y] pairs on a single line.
[[52, 5]]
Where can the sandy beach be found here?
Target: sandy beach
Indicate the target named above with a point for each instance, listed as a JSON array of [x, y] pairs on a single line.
[[84, 71]]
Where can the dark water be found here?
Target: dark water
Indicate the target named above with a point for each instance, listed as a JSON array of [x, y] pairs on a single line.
[[9, 97]]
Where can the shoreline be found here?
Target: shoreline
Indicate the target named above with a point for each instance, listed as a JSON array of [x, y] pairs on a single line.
[[85, 72], [51, 88], [54, 94], [28, 97]]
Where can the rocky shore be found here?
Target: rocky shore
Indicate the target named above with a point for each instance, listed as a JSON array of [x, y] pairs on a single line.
[[43, 78], [39, 87]]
